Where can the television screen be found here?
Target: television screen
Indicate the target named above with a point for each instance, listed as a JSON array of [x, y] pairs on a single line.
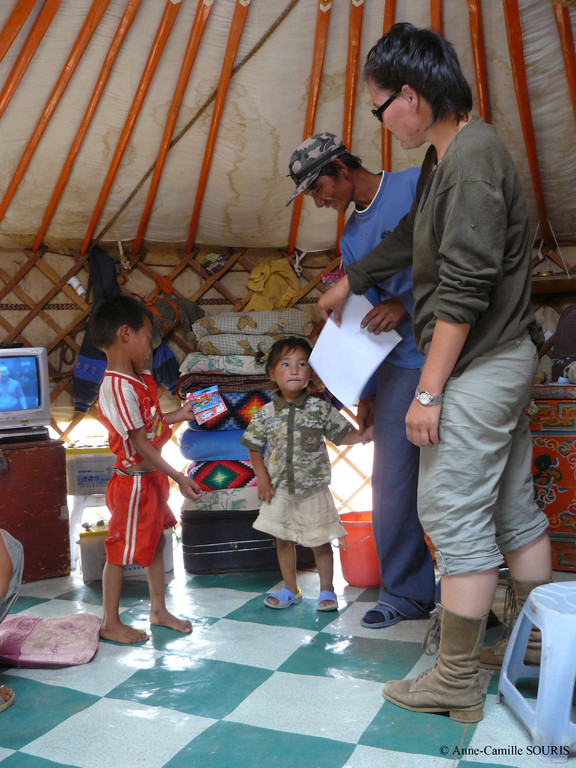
[[19, 383], [24, 391]]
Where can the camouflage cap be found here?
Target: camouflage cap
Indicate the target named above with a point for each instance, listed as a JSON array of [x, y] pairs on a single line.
[[309, 158]]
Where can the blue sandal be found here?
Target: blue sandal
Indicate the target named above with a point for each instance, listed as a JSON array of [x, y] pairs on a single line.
[[386, 615], [285, 598], [326, 596]]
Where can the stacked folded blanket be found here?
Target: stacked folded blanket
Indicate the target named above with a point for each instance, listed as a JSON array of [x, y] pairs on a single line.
[[227, 343], [222, 474]]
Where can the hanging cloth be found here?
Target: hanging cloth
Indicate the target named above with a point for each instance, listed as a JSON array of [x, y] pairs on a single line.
[[91, 362], [274, 284]]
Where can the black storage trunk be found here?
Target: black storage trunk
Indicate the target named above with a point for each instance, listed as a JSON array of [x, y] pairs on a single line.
[[224, 541]]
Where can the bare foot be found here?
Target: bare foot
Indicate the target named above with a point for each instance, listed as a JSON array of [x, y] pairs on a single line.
[[166, 619], [122, 633]]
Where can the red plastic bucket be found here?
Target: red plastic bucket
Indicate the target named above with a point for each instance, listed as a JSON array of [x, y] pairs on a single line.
[[360, 566]]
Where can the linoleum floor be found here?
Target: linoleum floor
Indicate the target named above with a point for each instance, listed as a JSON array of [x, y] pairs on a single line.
[[250, 688]]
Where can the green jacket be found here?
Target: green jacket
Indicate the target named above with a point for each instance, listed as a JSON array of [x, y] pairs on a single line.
[[467, 236]]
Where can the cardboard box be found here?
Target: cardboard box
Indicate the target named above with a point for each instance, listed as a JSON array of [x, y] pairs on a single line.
[[88, 470], [93, 553]]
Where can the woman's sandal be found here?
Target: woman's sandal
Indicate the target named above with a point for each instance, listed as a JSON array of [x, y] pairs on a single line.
[[327, 597], [7, 697], [285, 598]]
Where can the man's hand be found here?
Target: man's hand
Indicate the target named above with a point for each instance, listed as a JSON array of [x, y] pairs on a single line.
[[332, 302], [365, 414], [384, 316], [422, 424]]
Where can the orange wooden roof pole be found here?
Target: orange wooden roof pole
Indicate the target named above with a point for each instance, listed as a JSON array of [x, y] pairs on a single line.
[[389, 16], [354, 35], [171, 10], [436, 18], [37, 32], [236, 28], [567, 44], [477, 38], [322, 23], [114, 49], [14, 24], [516, 48], [199, 25], [91, 22]]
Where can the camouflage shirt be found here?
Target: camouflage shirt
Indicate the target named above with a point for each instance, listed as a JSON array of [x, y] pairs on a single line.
[[293, 435]]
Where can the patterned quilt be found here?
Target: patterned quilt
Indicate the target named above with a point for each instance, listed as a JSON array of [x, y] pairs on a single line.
[[222, 474], [284, 322], [238, 344], [241, 407], [232, 365], [190, 382], [230, 499]]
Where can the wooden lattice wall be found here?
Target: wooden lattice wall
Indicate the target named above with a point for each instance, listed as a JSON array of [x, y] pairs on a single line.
[[39, 308]]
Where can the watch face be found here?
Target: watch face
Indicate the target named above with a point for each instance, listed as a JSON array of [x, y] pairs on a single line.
[[425, 398]]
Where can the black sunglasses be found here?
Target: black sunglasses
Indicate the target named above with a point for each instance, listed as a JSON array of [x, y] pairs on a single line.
[[383, 107]]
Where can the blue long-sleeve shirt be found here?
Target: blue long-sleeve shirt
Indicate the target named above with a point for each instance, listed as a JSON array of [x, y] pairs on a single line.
[[364, 230]]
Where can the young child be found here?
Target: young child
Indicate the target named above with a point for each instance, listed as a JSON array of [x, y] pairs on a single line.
[[137, 493], [294, 475]]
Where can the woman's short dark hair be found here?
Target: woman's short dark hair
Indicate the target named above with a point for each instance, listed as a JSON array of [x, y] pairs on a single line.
[[350, 161], [282, 347], [111, 314], [424, 60]]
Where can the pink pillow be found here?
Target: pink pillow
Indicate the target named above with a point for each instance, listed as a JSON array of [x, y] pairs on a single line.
[[26, 641]]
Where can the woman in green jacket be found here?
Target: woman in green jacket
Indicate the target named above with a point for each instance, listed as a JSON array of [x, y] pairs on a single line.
[[467, 238]]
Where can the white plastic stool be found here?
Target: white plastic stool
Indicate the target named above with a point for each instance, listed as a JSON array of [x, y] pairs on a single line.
[[551, 608], [79, 504]]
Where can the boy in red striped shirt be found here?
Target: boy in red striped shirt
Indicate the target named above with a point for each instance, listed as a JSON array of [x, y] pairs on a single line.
[[137, 493]]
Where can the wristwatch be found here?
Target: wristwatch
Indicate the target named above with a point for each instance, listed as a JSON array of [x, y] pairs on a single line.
[[425, 398]]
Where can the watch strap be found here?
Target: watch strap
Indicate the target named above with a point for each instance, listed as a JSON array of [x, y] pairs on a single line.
[[425, 398]]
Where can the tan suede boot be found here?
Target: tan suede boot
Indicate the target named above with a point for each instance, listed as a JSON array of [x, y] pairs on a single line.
[[492, 656], [452, 684]]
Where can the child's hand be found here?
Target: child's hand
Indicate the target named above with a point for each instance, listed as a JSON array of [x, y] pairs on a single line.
[[367, 434], [187, 412], [189, 488], [265, 490]]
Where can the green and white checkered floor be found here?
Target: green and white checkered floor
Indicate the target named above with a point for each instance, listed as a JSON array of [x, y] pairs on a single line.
[[250, 688]]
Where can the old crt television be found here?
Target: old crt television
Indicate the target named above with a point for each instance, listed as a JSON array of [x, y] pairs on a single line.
[[24, 393]]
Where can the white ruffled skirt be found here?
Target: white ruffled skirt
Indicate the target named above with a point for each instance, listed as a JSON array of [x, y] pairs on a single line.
[[309, 519]]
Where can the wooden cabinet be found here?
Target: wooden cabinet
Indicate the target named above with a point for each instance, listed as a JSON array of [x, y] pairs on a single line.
[[553, 427], [33, 505]]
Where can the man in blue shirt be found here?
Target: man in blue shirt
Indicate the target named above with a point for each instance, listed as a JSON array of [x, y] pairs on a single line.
[[323, 168]]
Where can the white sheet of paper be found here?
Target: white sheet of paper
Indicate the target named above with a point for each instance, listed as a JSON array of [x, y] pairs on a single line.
[[345, 357]]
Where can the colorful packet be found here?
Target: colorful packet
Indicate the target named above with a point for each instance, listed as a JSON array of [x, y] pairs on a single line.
[[207, 404]]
